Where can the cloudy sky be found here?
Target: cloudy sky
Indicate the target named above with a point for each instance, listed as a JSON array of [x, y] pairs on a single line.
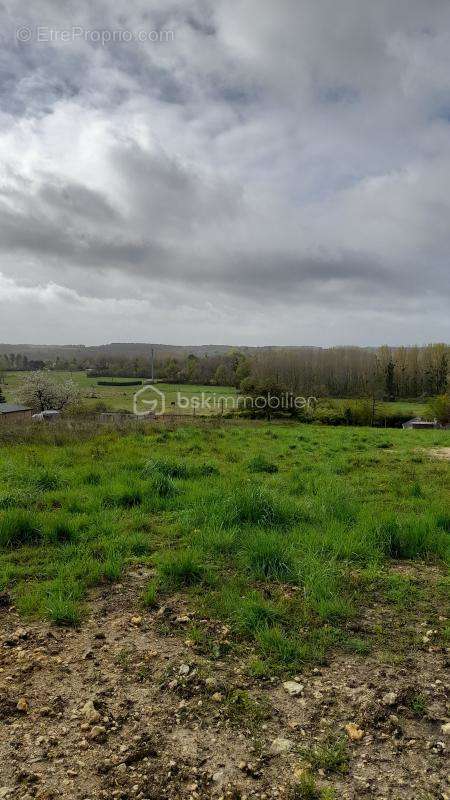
[[225, 171]]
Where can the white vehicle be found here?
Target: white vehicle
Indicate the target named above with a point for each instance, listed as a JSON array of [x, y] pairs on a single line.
[[47, 416]]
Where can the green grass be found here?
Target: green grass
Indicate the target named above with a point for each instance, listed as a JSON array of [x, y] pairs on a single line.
[[115, 398], [331, 756], [260, 463], [182, 568], [307, 789], [18, 528], [285, 557], [177, 396]]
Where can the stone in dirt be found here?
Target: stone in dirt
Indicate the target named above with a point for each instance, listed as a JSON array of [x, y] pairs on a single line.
[[98, 732], [446, 728], [353, 732], [389, 699], [22, 705], [280, 746], [293, 688], [89, 712]]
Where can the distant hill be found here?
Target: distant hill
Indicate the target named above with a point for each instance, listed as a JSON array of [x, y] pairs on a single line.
[[129, 350]]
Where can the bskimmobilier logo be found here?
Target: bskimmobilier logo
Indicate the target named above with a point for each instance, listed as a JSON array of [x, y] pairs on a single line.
[[149, 400]]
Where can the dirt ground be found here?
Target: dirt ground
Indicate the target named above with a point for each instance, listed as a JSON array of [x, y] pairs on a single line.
[[127, 706], [441, 452]]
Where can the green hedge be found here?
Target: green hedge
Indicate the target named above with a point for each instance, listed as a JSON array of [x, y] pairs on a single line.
[[119, 383]]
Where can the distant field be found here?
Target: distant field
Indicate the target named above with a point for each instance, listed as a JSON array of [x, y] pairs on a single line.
[[406, 407], [121, 397]]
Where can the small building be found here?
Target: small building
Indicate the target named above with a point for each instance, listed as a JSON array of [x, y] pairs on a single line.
[[13, 412], [418, 423]]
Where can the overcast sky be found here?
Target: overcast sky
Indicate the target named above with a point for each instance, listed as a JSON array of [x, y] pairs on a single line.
[[268, 172]]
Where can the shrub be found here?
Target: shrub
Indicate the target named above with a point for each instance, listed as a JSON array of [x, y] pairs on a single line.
[[119, 383]]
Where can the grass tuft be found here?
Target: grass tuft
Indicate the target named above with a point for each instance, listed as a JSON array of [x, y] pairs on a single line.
[[18, 528], [268, 557], [261, 464], [330, 756], [182, 568]]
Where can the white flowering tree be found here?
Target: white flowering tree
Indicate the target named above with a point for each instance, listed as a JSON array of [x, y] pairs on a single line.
[[42, 392]]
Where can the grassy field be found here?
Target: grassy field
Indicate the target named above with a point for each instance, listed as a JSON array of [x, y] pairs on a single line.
[[116, 398], [283, 531]]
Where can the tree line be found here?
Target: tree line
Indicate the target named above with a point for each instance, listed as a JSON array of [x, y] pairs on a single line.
[[384, 372]]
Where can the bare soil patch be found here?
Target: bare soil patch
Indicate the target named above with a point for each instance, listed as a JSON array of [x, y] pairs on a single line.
[[127, 706], [441, 452]]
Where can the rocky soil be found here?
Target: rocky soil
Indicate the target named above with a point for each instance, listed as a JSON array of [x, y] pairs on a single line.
[[128, 706]]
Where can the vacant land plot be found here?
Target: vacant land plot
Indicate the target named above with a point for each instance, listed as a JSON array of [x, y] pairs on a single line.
[[160, 588]]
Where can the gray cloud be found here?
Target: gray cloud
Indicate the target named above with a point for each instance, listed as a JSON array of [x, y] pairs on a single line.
[[283, 162]]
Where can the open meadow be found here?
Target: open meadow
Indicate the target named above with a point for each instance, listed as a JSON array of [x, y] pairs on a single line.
[[193, 570], [119, 397], [181, 397]]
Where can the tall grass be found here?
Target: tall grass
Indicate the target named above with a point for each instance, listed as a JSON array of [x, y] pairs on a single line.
[[18, 528], [281, 532]]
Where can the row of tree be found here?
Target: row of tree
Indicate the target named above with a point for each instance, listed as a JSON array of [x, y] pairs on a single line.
[[402, 372], [390, 373]]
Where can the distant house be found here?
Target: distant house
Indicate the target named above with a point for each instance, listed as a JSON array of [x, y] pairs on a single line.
[[420, 424], [13, 412]]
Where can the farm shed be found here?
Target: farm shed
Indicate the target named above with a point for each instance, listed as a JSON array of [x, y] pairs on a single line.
[[419, 423], [13, 412]]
